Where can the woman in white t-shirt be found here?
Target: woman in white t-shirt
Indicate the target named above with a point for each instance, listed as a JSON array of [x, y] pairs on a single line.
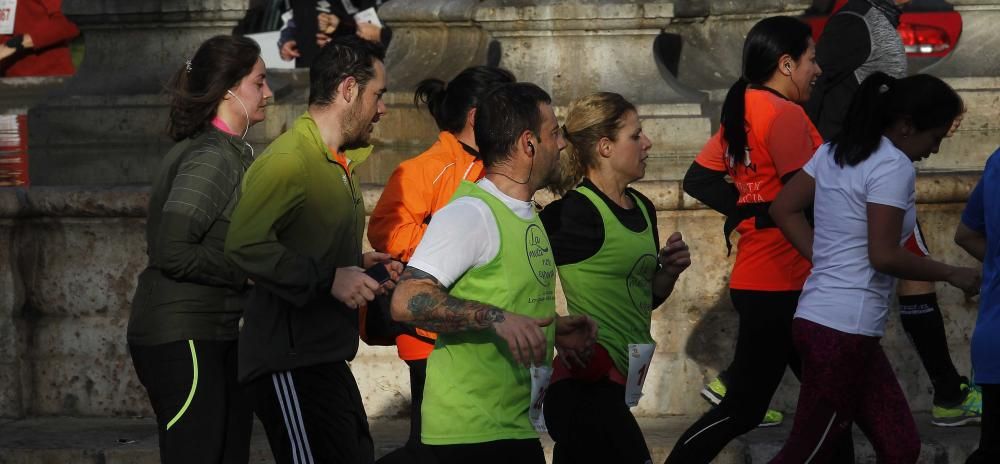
[[861, 185]]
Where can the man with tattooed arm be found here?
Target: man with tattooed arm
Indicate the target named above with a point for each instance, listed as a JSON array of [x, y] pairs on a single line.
[[483, 278]]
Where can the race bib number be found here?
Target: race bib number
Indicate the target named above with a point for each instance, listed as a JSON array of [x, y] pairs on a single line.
[[639, 357], [367, 16], [7, 10], [540, 376]]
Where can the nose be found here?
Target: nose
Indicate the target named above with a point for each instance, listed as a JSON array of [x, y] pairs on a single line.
[[267, 91], [646, 143]]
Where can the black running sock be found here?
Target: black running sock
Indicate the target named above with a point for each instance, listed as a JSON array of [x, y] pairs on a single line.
[[922, 321]]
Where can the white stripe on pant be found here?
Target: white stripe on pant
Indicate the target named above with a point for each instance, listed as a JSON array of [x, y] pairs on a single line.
[[284, 389]]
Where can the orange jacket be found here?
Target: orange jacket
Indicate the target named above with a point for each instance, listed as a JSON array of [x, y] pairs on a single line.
[[416, 190]]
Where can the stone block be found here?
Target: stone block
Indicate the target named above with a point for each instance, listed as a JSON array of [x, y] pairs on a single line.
[[99, 337], [87, 386], [84, 266]]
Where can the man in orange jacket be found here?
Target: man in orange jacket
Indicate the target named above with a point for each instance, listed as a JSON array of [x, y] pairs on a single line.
[[416, 190]]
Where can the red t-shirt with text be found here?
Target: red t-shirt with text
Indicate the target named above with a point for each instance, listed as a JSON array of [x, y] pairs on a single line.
[[780, 140]]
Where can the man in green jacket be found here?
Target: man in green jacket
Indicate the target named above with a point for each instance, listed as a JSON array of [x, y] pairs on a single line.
[[297, 233], [483, 277]]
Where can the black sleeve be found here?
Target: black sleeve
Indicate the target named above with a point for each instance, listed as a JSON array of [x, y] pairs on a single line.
[[844, 46], [711, 188], [575, 228], [657, 301]]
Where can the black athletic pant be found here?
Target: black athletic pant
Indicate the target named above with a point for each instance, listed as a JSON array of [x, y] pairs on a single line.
[[763, 350], [591, 423], [414, 451], [491, 452], [989, 435], [314, 415], [924, 324], [203, 415]]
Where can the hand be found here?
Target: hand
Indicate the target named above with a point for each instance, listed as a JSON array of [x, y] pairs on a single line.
[[322, 39], [289, 51], [966, 279], [675, 256], [524, 337], [327, 23], [394, 267], [353, 287], [575, 338], [370, 32], [6, 51], [374, 257]]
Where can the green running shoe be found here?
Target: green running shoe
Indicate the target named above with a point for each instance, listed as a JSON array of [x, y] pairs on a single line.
[[969, 411], [715, 391]]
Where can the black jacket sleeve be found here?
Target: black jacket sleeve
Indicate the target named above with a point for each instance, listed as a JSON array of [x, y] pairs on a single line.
[[711, 188]]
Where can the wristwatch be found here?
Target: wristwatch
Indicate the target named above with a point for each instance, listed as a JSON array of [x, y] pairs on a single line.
[[16, 42]]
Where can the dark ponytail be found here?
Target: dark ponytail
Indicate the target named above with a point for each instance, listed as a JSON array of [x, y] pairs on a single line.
[[766, 43], [450, 103], [200, 84], [881, 101]]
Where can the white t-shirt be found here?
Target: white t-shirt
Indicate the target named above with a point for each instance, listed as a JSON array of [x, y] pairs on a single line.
[[844, 292], [464, 235]]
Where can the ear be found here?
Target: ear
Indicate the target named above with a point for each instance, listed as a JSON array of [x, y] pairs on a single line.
[[906, 126], [604, 147], [786, 64], [470, 118], [527, 143], [348, 89]]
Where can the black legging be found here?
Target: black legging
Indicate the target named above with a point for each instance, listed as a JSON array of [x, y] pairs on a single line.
[[763, 349], [414, 451], [989, 436], [590, 423]]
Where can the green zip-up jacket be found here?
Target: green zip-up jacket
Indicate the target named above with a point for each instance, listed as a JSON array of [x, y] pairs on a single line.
[[190, 290], [301, 217]]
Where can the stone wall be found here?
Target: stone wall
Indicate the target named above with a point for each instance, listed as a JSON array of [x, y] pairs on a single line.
[[70, 258]]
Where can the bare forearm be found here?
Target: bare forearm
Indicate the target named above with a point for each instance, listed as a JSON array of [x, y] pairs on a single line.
[[971, 241], [419, 300], [902, 264], [797, 231]]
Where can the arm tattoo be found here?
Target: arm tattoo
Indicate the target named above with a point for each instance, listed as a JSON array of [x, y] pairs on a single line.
[[434, 309]]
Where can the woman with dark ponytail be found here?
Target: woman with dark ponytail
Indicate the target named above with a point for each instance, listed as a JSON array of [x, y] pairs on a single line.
[[765, 138], [416, 190], [861, 188], [184, 325]]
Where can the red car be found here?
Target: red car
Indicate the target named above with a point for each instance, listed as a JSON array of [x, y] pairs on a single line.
[[930, 29]]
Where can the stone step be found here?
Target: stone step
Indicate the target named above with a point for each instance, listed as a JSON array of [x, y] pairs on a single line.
[[133, 441]]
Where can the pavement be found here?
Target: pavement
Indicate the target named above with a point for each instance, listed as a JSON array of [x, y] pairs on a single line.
[[66, 440]]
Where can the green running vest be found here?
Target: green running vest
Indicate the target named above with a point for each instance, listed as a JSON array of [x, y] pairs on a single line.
[[615, 285], [475, 392]]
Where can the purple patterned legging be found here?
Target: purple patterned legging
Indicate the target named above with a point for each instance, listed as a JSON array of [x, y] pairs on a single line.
[[846, 379]]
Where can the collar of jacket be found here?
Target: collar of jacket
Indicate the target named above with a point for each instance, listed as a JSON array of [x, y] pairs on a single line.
[[236, 141], [306, 126], [889, 8]]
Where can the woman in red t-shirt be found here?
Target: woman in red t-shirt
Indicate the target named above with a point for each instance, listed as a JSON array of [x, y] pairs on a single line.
[[765, 138]]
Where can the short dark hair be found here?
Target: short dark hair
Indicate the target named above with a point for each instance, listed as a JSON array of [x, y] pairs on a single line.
[[345, 55], [201, 83], [503, 115], [450, 103]]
